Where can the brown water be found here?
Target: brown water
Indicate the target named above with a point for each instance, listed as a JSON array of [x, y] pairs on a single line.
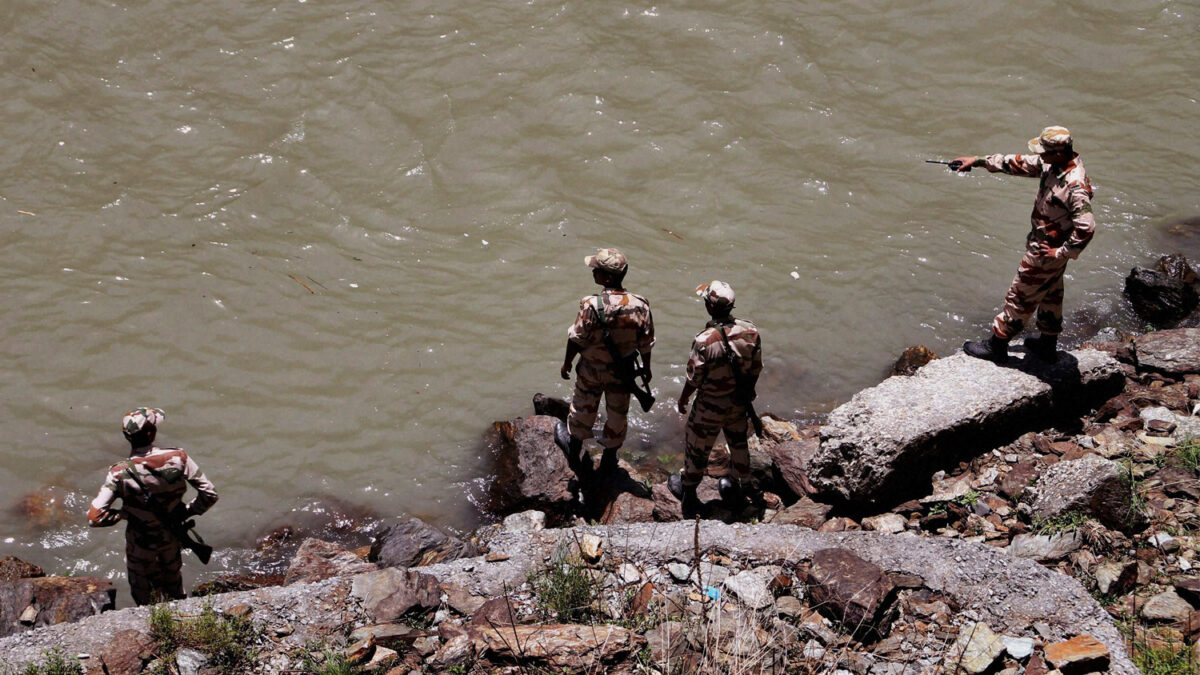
[[334, 240]]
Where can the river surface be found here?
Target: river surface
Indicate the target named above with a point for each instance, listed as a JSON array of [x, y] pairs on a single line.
[[335, 239]]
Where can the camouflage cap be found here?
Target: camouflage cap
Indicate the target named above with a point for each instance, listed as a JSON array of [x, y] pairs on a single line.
[[607, 259], [1051, 139], [139, 417], [716, 293]]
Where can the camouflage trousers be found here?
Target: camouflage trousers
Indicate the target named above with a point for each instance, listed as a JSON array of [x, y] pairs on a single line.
[[590, 385], [155, 566], [709, 416], [1038, 287]]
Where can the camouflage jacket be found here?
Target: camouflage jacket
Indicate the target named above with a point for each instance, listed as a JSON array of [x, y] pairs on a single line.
[[628, 319], [162, 477], [1062, 211], [709, 371]]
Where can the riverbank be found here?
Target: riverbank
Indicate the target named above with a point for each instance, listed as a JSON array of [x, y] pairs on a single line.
[[1073, 541]]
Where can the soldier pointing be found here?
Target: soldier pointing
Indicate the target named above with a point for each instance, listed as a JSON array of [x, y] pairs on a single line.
[[151, 485], [1062, 225]]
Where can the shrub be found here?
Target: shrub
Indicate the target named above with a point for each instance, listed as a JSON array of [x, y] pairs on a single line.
[[566, 590], [228, 641]]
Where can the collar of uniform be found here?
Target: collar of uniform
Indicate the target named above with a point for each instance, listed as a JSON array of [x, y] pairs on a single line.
[[713, 323], [142, 451], [1071, 165]]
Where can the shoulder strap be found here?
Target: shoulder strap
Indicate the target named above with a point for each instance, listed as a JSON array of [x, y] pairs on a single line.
[[600, 309]]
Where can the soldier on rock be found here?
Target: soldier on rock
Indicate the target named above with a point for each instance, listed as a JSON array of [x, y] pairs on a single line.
[[722, 371], [151, 485], [627, 320], [1063, 225]]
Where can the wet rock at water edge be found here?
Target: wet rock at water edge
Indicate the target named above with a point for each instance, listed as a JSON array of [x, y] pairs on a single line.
[[911, 360], [44, 601], [1166, 294], [531, 472], [316, 560], [412, 543]]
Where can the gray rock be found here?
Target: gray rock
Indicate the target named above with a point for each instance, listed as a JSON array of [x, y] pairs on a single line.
[[1091, 485], [805, 513], [1116, 578], [391, 593], [525, 521], [888, 523], [1045, 547], [412, 542], [1174, 352], [751, 587], [1166, 606], [1019, 648], [975, 650], [190, 661], [875, 447]]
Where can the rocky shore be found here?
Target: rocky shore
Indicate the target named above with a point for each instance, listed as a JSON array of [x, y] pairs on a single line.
[[963, 518]]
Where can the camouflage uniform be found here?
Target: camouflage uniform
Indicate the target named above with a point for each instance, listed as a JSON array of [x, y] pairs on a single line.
[[631, 325], [152, 479], [1062, 218], [717, 407]]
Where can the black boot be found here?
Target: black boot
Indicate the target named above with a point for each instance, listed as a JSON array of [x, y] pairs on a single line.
[[994, 350], [608, 461], [1045, 347], [570, 445], [686, 494]]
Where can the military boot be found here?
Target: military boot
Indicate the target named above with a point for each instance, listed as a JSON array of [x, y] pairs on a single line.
[[686, 494], [608, 461], [1045, 347], [994, 350], [570, 445]]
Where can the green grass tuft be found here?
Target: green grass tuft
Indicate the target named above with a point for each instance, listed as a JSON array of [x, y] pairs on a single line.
[[228, 641]]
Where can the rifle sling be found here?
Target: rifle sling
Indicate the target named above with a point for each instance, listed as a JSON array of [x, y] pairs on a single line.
[[170, 523]]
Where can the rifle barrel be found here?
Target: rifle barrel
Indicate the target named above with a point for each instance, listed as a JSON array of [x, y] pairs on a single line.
[[937, 161]]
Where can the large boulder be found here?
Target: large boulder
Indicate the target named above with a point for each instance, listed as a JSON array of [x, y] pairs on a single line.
[[1091, 485], [851, 590], [1165, 295], [42, 601], [875, 448], [1174, 352], [531, 471], [392, 593], [412, 543]]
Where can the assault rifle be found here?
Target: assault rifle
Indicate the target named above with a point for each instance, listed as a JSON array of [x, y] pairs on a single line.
[[741, 389], [177, 523], [629, 368]]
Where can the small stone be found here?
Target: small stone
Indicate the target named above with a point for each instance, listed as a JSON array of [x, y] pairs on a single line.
[[976, 649], [1080, 654], [525, 521], [629, 573], [888, 523], [1164, 542], [591, 547], [789, 606], [29, 615], [1017, 647], [190, 661], [495, 557]]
